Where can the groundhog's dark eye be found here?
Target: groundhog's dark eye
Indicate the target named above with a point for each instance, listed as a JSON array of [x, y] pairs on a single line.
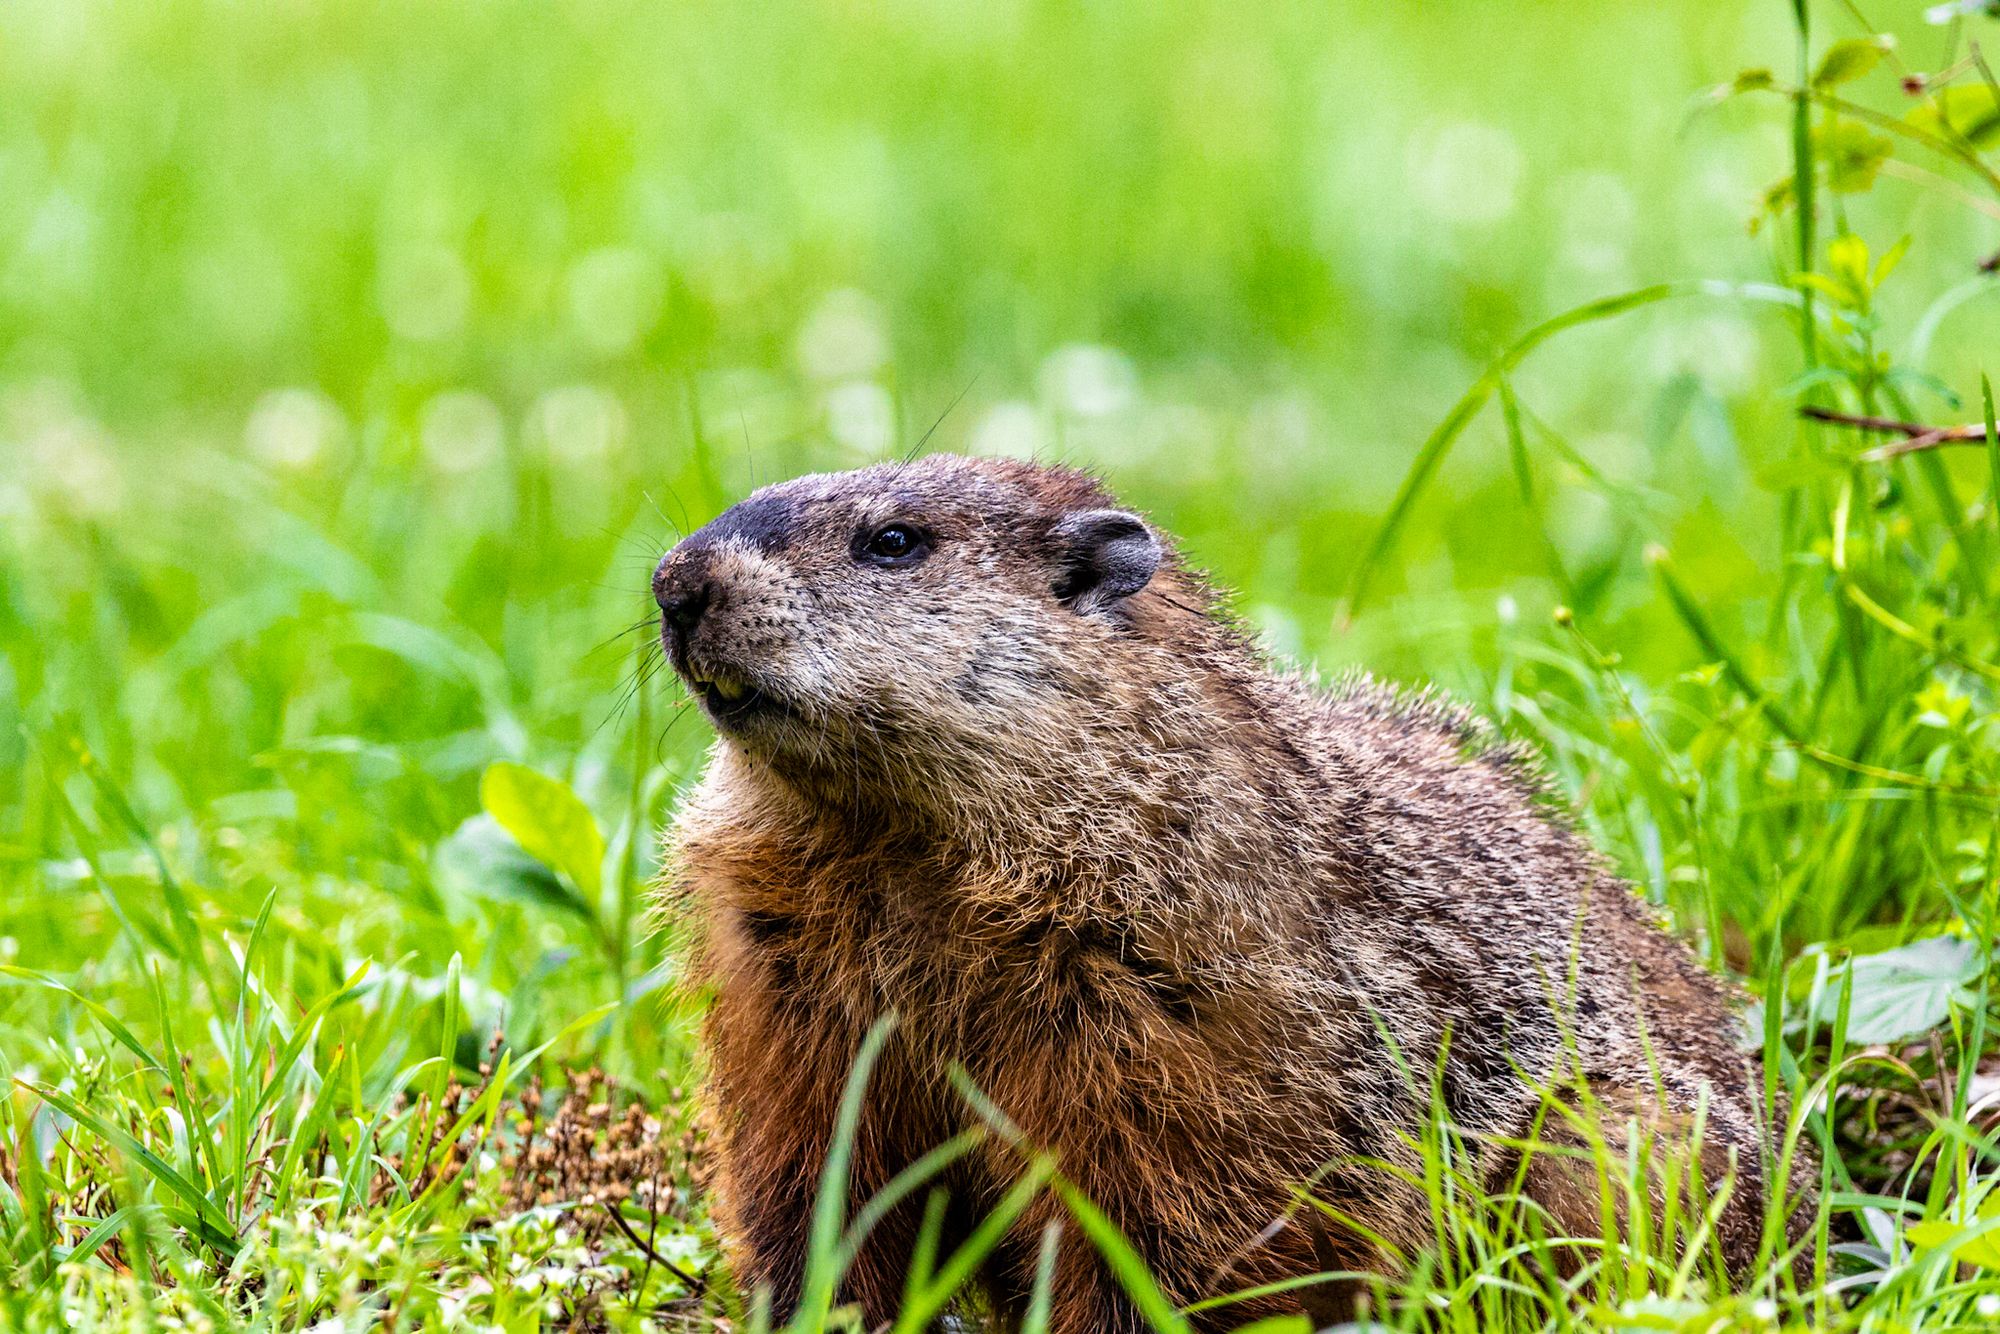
[[894, 544]]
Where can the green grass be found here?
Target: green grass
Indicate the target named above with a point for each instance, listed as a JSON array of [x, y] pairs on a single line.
[[357, 360]]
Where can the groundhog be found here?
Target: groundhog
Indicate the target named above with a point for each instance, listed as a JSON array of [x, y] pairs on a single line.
[[991, 758]]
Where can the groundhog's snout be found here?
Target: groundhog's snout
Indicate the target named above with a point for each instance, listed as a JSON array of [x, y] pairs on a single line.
[[685, 584], [692, 587], [692, 598], [684, 587]]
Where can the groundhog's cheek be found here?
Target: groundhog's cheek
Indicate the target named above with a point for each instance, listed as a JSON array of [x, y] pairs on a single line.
[[830, 665], [759, 634], [1006, 671]]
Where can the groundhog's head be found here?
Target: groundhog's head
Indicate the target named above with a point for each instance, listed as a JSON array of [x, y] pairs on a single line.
[[906, 612]]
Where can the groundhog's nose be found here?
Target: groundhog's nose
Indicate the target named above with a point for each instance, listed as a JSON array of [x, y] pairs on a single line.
[[683, 590], [683, 610]]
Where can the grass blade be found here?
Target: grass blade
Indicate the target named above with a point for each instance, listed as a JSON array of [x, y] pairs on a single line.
[[94, 1240], [111, 1023], [1438, 444], [1041, 1296], [830, 1208], [1123, 1261], [1992, 445], [213, 1225], [937, 1292], [1697, 622]]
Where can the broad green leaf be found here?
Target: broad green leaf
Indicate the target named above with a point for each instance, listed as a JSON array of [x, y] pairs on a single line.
[[1905, 991], [1970, 112], [1848, 60], [1890, 259], [482, 859], [1776, 199], [548, 820], [1853, 154], [1982, 1250], [1847, 258], [1939, 705]]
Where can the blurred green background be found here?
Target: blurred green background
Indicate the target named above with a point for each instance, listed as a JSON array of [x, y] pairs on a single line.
[[357, 361]]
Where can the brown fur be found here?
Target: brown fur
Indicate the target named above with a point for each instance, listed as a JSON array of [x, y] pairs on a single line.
[[1196, 926]]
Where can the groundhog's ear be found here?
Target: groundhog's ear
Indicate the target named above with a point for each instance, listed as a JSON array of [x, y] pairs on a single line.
[[1105, 555]]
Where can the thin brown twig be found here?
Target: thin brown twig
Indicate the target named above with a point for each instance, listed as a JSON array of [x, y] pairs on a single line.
[[1950, 435], [692, 1283], [1890, 425], [1917, 436]]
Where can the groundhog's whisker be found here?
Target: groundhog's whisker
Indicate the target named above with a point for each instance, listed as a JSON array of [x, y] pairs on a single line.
[[651, 623]]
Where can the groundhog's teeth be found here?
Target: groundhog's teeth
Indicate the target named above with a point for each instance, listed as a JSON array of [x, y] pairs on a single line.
[[730, 691]]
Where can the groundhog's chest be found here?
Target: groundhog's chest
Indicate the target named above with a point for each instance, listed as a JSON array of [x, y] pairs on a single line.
[[972, 964]]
